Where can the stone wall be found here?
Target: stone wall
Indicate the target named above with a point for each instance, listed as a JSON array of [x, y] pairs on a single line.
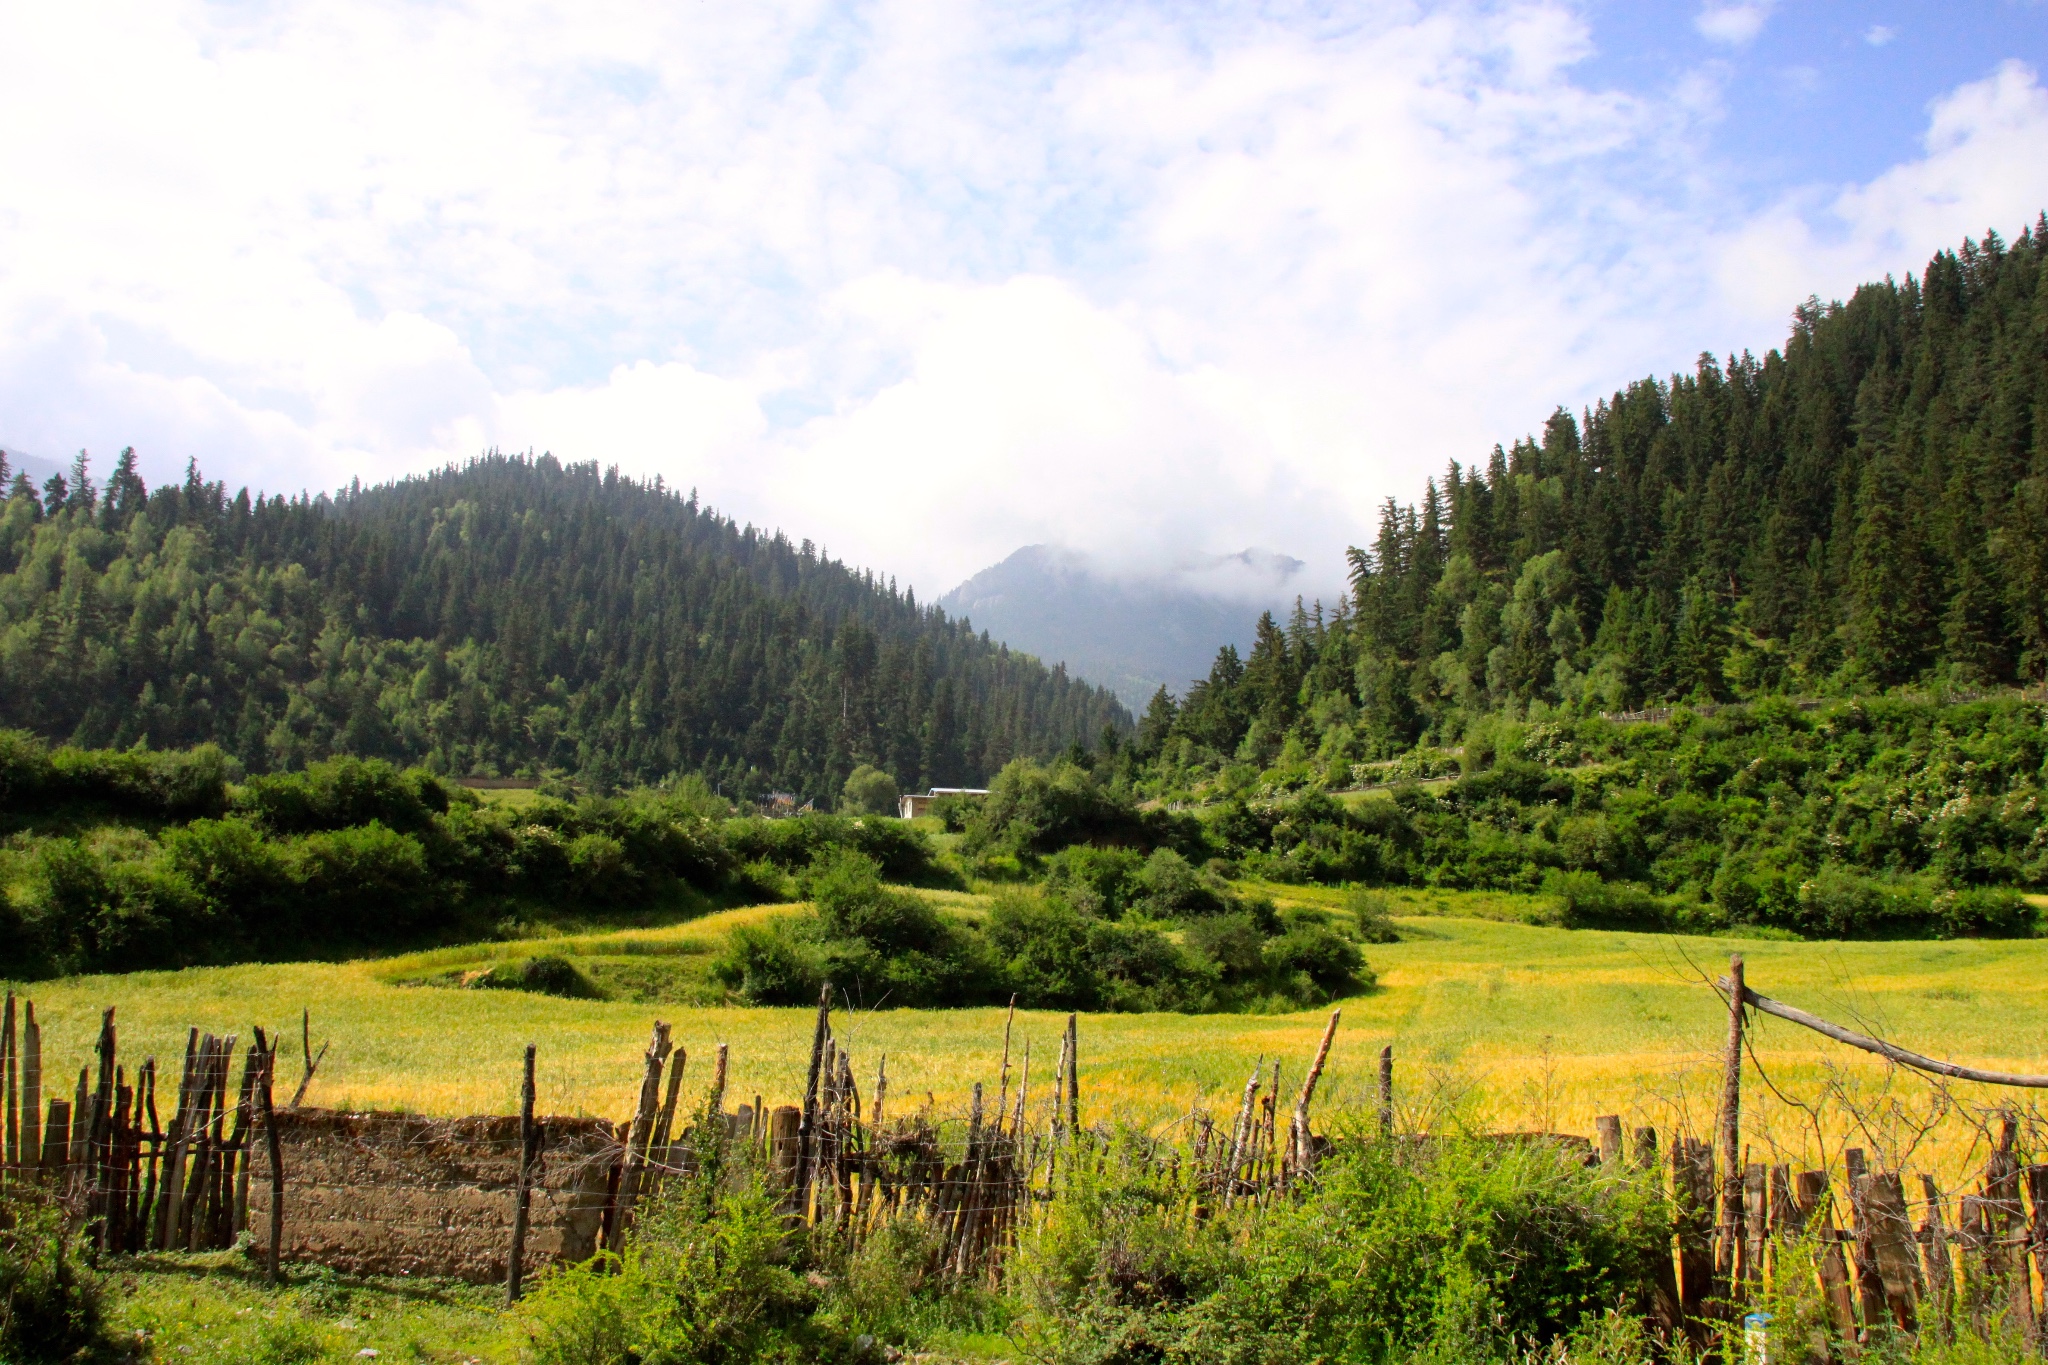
[[399, 1194]]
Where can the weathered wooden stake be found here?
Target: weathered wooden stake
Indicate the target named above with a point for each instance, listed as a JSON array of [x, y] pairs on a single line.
[[264, 1094], [807, 1132], [1608, 1126], [1387, 1091], [637, 1135], [1300, 1157], [31, 1087], [1074, 1073], [1726, 1252], [10, 1140], [661, 1148], [1241, 1132], [1934, 1256], [312, 1063], [1003, 1098], [515, 1263]]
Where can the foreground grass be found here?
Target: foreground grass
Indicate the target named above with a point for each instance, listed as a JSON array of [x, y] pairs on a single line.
[[1498, 1024], [214, 1309]]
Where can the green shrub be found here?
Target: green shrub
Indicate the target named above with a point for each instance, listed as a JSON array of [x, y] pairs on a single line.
[[707, 1281], [869, 791], [902, 851], [158, 785], [338, 793], [1459, 1250], [52, 1308], [1584, 901], [1372, 914], [545, 975], [775, 964]]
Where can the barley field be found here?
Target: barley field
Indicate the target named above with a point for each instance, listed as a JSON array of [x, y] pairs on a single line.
[[1494, 1024]]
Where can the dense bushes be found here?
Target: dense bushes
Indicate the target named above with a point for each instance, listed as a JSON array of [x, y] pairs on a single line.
[[1032, 810], [1450, 1252], [1455, 1251], [1067, 947], [1877, 819], [52, 1308], [136, 784], [352, 855]]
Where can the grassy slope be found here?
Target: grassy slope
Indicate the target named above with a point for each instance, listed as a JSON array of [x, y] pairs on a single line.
[[1525, 1027], [1532, 1027]]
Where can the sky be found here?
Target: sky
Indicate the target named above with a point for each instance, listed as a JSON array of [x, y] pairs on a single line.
[[929, 280]]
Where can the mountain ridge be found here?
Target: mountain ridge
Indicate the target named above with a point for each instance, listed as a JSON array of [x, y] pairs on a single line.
[[1132, 635]]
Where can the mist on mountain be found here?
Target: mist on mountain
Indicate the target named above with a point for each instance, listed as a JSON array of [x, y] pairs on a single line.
[[1131, 634]]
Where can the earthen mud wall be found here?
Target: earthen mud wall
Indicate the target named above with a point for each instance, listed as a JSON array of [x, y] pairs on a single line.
[[400, 1194]]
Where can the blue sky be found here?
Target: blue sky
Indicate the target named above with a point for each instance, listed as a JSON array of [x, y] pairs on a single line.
[[1823, 93], [927, 280]]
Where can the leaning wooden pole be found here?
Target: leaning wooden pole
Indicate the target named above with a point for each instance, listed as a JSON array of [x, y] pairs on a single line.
[[1730, 1232], [522, 1204], [1003, 1097], [807, 1132], [1298, 1156], [637, 1135]]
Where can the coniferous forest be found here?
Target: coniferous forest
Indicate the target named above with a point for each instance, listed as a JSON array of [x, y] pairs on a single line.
[[510, 615], [1864, 509]]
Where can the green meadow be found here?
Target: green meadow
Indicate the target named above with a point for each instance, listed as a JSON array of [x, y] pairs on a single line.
[[1494, 1023]]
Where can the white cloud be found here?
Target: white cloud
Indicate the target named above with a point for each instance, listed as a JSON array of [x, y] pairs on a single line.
[[924, 280], [1981, 169], [1877, 35], [1734, 25]]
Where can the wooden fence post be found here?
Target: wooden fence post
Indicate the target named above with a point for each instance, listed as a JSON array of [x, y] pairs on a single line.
[[1300, 1156], [785, 1145], [1073, 1073], [265, 1097], [807, 1131], [515, 1262], [1387, 1091], [637, 1135], [29, 1158], [2037, 1193], [1608, 1127], [1726, 1253], [1869, 1283], [1941, 1282], [1890, 1235], [10, 1140]]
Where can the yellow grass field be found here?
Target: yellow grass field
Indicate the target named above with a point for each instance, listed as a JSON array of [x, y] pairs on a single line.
[[1503, 1025]]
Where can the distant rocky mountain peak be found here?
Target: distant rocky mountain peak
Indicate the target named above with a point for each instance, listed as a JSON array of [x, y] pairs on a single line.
[[1129, 631]]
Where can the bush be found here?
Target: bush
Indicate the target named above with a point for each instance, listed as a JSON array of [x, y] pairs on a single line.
[[955, 811], [1584, 901], [546, 975], [338, 793], [869, 791], [156, 785], [776, 964], [1034, 810], [1373, 915], [705, 1282], [1103, 881], [900, 850], [51, 1307], [1459, 1250]]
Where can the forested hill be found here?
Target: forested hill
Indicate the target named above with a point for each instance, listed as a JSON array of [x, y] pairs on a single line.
[[1866, 507], [510, 614]]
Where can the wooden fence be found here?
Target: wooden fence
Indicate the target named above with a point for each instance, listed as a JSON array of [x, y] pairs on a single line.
[[1889, 1254]]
